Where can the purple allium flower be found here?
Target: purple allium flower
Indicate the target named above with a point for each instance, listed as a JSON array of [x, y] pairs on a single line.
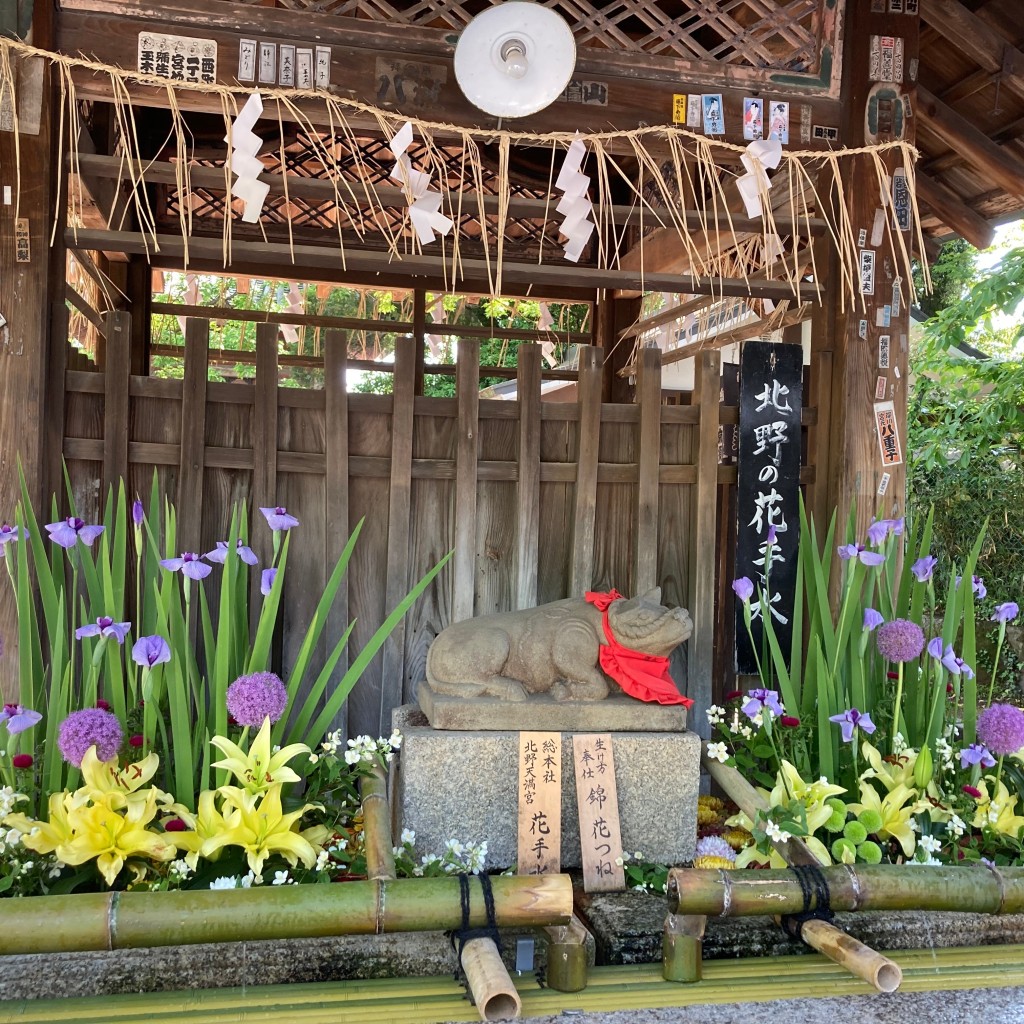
[[279, 519], [900, 640], [924, 567], [150, 650], [977, 585], [255, 697], [105, 627], [976, 754], [220, 553], [714, 846], [9, 533], [872, 619], [759, 699], [188, 565], [18, 718], [853, 719], [68, 532], [1001, 729], [267, 578], [847, 551], [1005, 612], [90, 727], [138, 515], [743, 588]]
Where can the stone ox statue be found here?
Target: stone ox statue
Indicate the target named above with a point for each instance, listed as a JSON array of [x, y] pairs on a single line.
[[561, 648]]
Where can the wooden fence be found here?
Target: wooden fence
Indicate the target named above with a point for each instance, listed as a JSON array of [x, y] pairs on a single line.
[[538, 500]]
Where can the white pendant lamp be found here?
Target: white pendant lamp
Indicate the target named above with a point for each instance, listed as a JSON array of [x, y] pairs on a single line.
[[515, 59]]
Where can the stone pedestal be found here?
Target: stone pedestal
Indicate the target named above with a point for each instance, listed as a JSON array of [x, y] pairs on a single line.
[[464, 785]]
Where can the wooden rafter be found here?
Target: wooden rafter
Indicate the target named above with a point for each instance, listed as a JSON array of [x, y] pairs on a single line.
[[953, 212]]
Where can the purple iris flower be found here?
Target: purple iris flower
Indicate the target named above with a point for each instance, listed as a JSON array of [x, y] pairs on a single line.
[[743, 589], [853, 719], [18, 718], [267, 578], [924, 567], [1005, 612], [847, 551], [220, 553], [773, 534], [872, 619], [976, 754], [9, 533], [977, 585], [279, 519], [137, 513], [188, 564], [150, 650], [934, 647], [68, 532], [104, 627], [759, 699]]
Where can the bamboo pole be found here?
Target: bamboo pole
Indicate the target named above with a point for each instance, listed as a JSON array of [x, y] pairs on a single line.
[[682, 946], [982, 890], [380, 855], [120, 920], [494, 993], [567, 957]]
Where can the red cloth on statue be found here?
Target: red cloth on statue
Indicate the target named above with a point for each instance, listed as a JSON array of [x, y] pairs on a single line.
[[644, 676]]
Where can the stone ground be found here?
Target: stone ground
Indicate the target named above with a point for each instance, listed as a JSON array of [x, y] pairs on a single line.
[[992, 1006]]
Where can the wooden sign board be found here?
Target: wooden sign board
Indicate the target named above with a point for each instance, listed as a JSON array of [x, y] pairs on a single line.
[[540, 803], [598, 803]]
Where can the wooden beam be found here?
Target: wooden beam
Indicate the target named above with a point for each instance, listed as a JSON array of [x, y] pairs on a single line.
[[467, 455], [988, 47], [995, 162], [954, 212], [470, 273]]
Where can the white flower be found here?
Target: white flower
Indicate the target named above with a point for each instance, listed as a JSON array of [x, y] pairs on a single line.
[[955, 827], [929, 844], [28, 865], [225, 882], [758, 719], [395, 739], [280, 878], [716, 715], [313, 758], [454, 847], [619, 862], [54, 872], [746, 732], [899, 744], [248, 879], [352, 757], [929, 861], [181, 868], [638, 855], [341, 844], [718, 751], [773, 832], [276, 748], [429, 858], [408, 836], [321, 860]]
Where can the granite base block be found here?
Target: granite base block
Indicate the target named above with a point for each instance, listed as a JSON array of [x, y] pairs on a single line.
[[464, 785]]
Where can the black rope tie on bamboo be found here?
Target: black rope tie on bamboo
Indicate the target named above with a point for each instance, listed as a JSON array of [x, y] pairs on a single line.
[[815, 891], [463, 934]]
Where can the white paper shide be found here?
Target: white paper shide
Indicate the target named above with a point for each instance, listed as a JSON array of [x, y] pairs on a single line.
[[424, 204], [243, 161], [574, 206]]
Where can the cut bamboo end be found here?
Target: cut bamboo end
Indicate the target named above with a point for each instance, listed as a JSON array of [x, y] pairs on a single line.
[[682, 948], [493, 992], [380, 856], [874, 968], [567, 957]]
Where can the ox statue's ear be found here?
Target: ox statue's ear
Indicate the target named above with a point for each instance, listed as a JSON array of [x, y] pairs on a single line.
[[653, 595]]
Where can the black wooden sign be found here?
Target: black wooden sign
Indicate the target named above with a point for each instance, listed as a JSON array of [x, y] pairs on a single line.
[[768, 489]]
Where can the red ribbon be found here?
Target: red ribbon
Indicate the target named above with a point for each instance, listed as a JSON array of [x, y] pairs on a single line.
[[644, 676]]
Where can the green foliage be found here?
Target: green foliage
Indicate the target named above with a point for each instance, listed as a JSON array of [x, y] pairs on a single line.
[[951, 275]]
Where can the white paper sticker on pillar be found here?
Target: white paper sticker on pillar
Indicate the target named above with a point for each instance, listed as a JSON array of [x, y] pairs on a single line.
[[888, 435], [908, 111], [896, 370], [883, 484], [897, 297], [867, 272], [862, 329], [880, 317], [862, 237], [693, 110], [805, 123], [912, 65], [895, 6], [268, 63], [880, 383], [878, 227], [883, 352], [178, 58], [247, 60], [897, 65], [7, 195], [22, 248], [286, 70], [778, 121], [714, 118], [911, 6], [323, 67], [540, 803], [598, 805], [304, 68]]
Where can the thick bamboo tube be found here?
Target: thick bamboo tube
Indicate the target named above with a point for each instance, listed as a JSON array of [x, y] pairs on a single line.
[[495, 996], [380, 854], [682, 946], [848, 952], [567, 957], [980, 890], [121, 920]]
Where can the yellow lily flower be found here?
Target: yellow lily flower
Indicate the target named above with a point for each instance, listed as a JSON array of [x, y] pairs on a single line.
[[997, 811], [205, 824], [45, 836], [262, 829], [895, 810], [103, 832], [259, 769], [751, 855], [888, 774], [125, 785]]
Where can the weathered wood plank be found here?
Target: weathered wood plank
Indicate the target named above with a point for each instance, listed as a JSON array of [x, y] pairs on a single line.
[[467, 395], [192, 453], [264, 483], [528, 465], [397, 580], [648, 394], [581, 572], [115, 399]]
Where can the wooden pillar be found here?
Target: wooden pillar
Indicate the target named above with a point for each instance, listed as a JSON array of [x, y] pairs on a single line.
[[31, 292], [612, 316], [873, 111]]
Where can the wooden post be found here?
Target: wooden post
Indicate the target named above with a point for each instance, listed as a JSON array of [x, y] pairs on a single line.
[[116, 370], [193, 434], [467, 394], [857, 468], [648, 395], [589, 440], [528, 490]]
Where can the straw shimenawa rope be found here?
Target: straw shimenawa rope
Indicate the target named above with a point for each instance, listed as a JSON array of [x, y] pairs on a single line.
[[693, 178]]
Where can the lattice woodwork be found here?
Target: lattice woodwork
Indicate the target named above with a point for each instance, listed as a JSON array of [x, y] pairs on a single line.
[[748, 33]]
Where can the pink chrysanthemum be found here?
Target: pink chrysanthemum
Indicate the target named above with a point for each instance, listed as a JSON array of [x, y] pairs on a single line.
[[255, 697], [1001, 729], [87, 728], [900, 640]]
